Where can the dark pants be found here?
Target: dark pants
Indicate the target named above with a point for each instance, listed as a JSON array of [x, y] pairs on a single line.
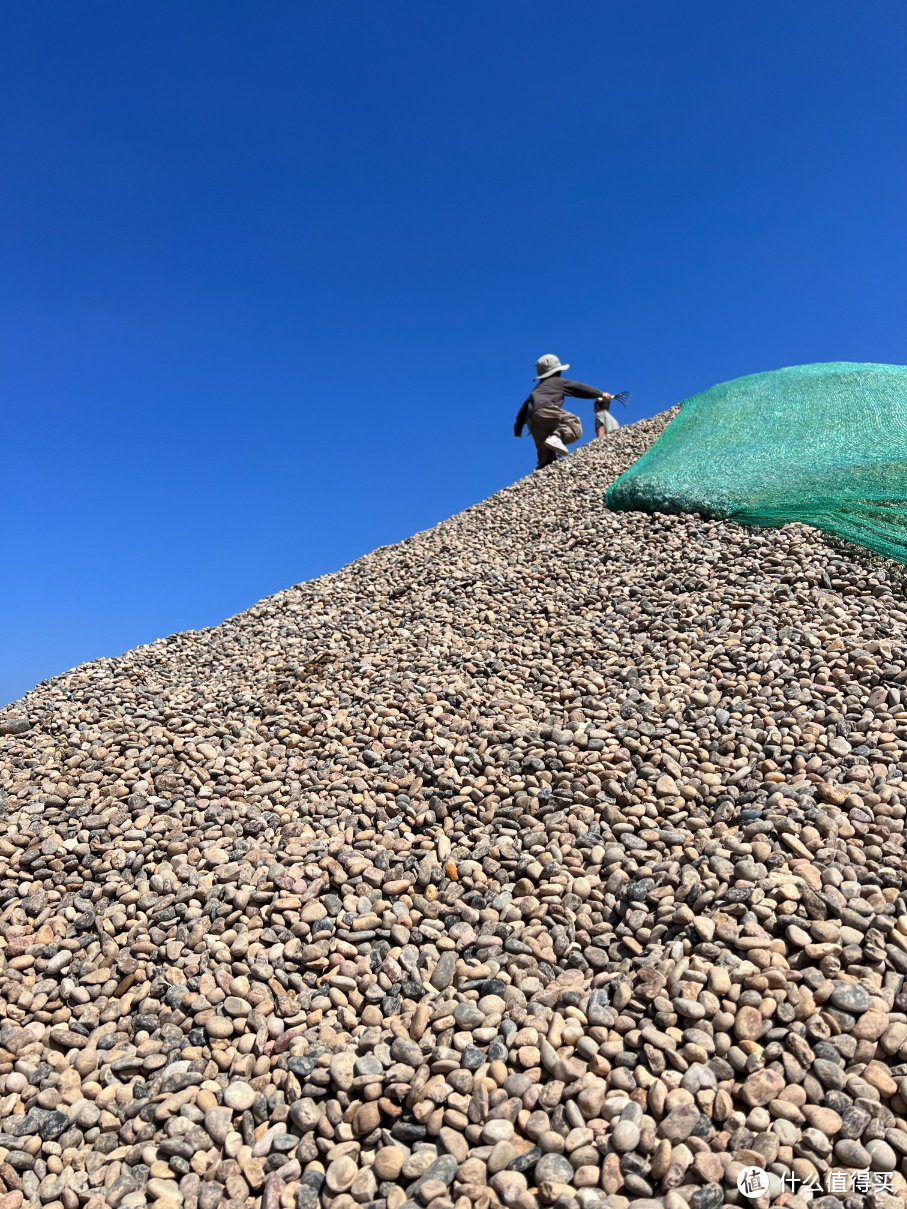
[[553, 421]]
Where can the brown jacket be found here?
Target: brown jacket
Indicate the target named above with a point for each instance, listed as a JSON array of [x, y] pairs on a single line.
[[551, 393]]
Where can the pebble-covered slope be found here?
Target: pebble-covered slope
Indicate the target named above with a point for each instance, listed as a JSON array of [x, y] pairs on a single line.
[[551, 856]]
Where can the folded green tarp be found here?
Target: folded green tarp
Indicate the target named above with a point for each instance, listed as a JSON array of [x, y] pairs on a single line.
[[825, 445]]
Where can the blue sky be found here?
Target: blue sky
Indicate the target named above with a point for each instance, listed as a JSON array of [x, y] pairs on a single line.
[[273, 277]]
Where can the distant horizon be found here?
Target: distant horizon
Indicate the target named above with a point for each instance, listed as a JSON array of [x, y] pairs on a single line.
[[275, 281]]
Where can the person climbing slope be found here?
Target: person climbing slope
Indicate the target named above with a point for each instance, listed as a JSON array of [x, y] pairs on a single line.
[[552, 428]]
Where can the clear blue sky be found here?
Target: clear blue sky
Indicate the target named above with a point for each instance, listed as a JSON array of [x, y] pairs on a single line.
[[275, 275]]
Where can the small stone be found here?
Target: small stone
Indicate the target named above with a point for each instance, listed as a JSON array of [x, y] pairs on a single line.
[[711, 1196], [270, 1197], [679, 1123], [364, 1187], [882, 1156], [219, 1027], [367, 1119], [526, 1161], [442, 975], [501, 1157], [239, 1096], [510, 1186], [871, 1026], [468, 1016], [852, 1154], [443, 1169], [708, 1167], [405, 1050], [430, 1190], [748, 1024], [218, 1123], [340, 1174], [343, 1070], [850, 997], [553, 1167], [388, 1162], [625, 1136], [824, 1119], [877, 1075], [497, 1131], [612, 1179], [762, 1087], [587, 1176], [690, 1008], [454, 1143]]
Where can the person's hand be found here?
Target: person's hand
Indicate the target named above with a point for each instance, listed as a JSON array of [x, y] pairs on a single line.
[[604, 398]]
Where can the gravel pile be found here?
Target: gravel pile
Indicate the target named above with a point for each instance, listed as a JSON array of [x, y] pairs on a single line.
[[550, 857]]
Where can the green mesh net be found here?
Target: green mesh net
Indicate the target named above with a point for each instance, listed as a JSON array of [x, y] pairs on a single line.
[[825, 445]]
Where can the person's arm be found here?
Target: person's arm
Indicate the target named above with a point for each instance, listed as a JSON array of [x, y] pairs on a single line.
[[521, 419], [579, 390]]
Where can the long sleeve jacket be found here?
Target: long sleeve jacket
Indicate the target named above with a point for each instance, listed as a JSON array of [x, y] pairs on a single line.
[[551, 393]]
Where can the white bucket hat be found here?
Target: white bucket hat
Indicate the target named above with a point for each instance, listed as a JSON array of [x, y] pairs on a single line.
[[548, 365]]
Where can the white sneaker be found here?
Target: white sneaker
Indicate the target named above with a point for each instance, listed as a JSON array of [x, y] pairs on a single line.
[[557, 445]]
